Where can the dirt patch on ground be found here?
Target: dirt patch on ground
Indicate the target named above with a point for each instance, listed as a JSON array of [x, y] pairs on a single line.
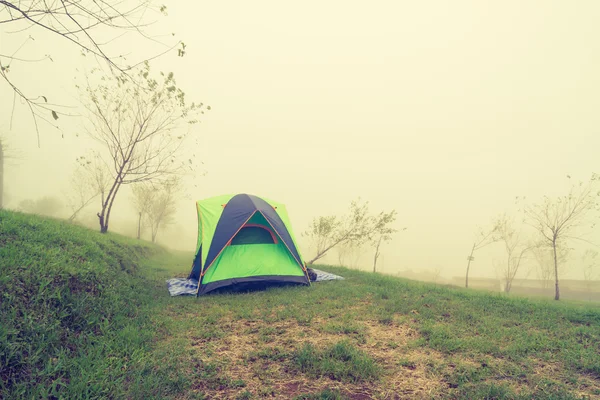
[[254, 359], [258, 356]]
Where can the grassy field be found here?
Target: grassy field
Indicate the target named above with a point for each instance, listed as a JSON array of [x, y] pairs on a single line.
[[76, 314], [85, 315]]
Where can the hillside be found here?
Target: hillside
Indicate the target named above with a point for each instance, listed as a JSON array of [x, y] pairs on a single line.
[[85, 315], [372, 336], [74, 313]]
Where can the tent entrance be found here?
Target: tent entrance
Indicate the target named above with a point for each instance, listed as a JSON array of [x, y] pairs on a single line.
[[255, 251], [254, 234]]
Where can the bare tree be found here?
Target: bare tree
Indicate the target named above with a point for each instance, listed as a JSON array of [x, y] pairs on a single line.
[[484, 238], [6, 153], [557, 220], [89, 180], [544, 257], [88, 26], [155, 204], [143, 192], [323, 233], [382, 238], [384, 235], [163, 206], [342, 252], [515, 249], [349, 254], [355, 254], [356, 228], [141, 126]]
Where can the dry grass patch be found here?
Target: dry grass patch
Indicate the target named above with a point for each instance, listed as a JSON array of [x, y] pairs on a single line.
[[254, 358], [262, 357], [583, 385], [588, 386], [392, 335]]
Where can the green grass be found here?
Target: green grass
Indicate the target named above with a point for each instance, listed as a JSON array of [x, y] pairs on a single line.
[[341, 361], [74, 320], [375, 334], [85, 315]]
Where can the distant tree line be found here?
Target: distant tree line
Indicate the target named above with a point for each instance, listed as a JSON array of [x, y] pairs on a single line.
[[357, 228], [554, 222]]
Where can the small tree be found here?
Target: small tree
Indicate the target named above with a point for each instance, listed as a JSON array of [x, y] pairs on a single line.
[[348, 254], [381, 238], [89, 180], [544, 258], [140, 123], [342, 253], [356, 228], [384, 235], [6, 153], [155, 204], [323, 233], [557, 220], [142, 192], [515, 250], [163, 206], [484, 238]]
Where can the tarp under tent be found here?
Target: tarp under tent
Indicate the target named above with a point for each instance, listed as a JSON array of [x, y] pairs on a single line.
[[189, 287], [245, 241]]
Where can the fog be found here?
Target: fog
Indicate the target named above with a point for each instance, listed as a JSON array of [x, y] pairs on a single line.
[[443, 111]]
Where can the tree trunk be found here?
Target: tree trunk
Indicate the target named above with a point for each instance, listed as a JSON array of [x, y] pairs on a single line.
[[556, 288], [102, 220], [469, 266], [109, 209], [110, 198], [103, 228], [376, 256], [104, 216], [326, 249], [139, 226]]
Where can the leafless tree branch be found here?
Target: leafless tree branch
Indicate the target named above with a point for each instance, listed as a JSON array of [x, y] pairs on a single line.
[[556, 220], [76, 22], [141, 126]]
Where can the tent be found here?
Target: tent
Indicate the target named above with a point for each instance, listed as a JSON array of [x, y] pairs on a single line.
[[245, 241]]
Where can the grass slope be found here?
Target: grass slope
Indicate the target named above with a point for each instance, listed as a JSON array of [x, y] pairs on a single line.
[[372, 336], [74, 319], [85, 315]]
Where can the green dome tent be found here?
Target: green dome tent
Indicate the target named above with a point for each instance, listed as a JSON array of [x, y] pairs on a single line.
[[245, 241]]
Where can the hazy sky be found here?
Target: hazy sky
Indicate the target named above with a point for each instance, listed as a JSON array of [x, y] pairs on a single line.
[[442, 110]]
